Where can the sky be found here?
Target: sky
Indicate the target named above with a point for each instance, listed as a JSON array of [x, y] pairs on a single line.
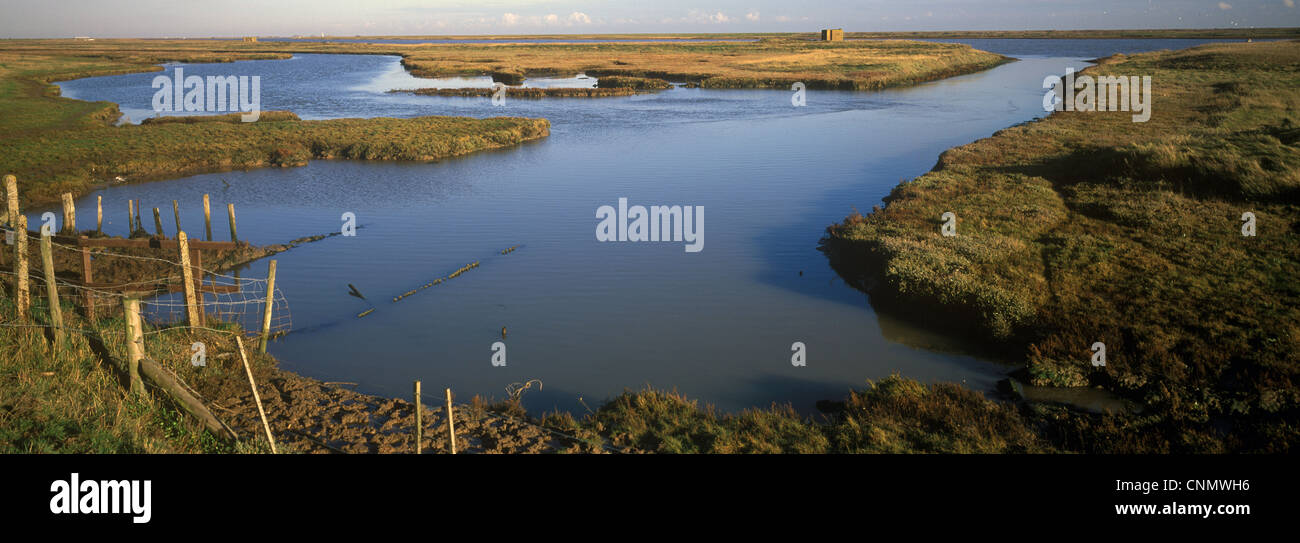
[[190, 18]]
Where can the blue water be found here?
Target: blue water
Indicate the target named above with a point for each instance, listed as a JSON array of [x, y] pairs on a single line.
[[585, 317]]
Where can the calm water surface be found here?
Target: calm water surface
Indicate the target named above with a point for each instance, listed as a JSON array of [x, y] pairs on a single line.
[[590, 318]]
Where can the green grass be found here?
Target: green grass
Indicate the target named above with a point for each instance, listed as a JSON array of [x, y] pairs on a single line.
[[1086, 227], [894, 415], [72, 398]]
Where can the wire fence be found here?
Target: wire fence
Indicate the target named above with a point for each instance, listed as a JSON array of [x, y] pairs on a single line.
[[223, 297]]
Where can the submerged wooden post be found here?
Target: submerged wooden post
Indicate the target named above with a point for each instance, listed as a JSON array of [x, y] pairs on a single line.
[[187, 276], [134, 342], [69, 214], [51, 290], [419, 426], [87, 277], [256, 397], [139, 224], [176, 210], [270, 301], [99, 214], [230, 210], [157, 223], [451, 423], [207, 217], [11, 190], [24, 299], [130, 218]]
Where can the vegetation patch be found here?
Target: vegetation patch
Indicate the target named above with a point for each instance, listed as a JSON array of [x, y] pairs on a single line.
[[533, 92], [1087, 227], [56, 145]]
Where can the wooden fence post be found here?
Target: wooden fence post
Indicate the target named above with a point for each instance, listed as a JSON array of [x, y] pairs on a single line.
[[87, 277], [134, 342], [11, 215], [451, 423], [176, 210], [99, 214], [256, 397], [69, 215], [230, 210], [11, 189], [20, 267], [419, 426], [157, 223], [207, 217], [187, 274], [51, 290], [270, 302], [130, 218], [139, 208]]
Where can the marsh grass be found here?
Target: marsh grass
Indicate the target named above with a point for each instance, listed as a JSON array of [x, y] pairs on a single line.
[[1087, 227], [893, 415], [533, 92], [56, 145], [74, 398]]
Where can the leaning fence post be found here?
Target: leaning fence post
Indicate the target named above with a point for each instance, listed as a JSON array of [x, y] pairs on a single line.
[[419, 426], [11, 189], [69, 214], [157, 223], [134, 343], [207, 217], [451, 423], [176, 210], [187, 276], [51, 290], [20, 267], [230, 210], [270, 301], [256, 397]]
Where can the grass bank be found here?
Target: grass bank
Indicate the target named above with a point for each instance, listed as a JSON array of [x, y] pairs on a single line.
[[1109, 34], [1086, 227], [56, 145], [893, 415], [768, 63]]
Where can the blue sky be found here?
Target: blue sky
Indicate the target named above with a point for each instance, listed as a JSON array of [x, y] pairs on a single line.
[[179, 18]]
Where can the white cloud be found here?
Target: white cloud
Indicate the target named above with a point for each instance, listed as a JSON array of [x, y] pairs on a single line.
[[1225, 6], [782, 18], [579, 17], [1289, 3], [752, 16], [552, 19], [697, 16], [509, 19]]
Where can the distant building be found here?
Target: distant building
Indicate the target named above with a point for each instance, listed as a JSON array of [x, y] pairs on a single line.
[[833, 34], [250, 39]]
